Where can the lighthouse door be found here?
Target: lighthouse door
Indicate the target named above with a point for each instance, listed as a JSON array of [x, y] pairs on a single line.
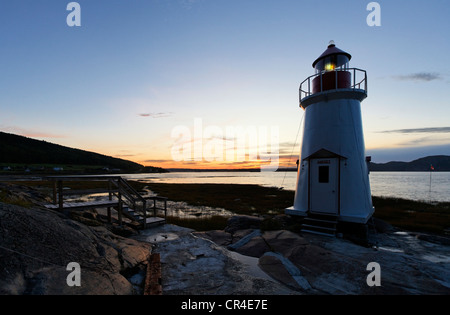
[[323, 181]]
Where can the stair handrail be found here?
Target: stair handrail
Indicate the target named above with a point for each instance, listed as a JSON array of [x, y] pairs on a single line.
[[133, 196], [131, 188], [123, 192]]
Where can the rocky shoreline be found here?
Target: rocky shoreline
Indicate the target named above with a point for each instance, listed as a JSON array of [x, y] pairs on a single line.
[[37, 244], [281, 262]]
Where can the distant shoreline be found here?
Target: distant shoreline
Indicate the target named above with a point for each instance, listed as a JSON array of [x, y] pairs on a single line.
[[8, 175], [187, 170], [251, 199]]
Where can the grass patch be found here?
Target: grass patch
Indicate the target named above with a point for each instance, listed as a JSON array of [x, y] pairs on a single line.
[[413, 215], [240, 199], [200, 224], [5, 197]]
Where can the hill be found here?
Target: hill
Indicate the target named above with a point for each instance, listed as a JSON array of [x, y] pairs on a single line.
[[18, 153], [440, 163]]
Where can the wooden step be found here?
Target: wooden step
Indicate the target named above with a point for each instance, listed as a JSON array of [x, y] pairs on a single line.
[[322, 224], [84, 205], [321, 221], [323, 216], [318, 233], [155, 220], [308, 226], [130, 212]]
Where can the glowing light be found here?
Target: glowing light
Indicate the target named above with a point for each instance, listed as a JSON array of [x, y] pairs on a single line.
[[330, 66]]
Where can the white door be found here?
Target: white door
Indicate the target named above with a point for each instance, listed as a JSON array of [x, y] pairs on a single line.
[[323, 185]]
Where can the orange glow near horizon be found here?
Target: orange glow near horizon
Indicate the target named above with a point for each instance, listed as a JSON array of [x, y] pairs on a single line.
[[283, 162]]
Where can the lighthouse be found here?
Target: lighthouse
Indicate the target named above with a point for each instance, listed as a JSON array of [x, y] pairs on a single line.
[[333, 175]]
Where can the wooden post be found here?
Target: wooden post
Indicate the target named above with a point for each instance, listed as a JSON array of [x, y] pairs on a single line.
[[60, 195], [120, 208], [165, 209], [144, 206], [110, 198], [55, 193]]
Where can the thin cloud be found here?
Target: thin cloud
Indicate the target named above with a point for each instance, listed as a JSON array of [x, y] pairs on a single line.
[[419, 76], [416, 142], [156, 115], [157, 161], [419, 130]]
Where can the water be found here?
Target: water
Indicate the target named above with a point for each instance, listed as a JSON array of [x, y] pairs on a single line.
[[408, 185]]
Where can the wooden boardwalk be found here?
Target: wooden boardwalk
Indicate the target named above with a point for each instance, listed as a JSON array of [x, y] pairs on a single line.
[[122, 197], [153, 278], [84, 205]]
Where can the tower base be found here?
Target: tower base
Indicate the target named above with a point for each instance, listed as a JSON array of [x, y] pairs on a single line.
[[333, 226], [340, 218]]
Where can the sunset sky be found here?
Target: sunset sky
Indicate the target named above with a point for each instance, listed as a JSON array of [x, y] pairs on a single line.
[[136, 73]]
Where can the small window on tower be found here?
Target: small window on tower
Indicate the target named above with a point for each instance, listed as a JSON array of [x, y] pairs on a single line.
[[324, 174]]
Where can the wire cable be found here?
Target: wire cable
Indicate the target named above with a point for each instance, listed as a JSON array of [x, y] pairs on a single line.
[[293, 147]]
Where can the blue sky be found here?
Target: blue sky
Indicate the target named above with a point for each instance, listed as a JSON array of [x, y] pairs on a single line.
[[134, 70]]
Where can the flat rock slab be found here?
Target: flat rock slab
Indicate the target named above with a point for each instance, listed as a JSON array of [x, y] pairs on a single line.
[[219, 237], [195, 265], [283, 262], [338, 266]]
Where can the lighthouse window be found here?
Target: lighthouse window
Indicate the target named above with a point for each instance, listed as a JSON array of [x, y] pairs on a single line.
[[331, 63], [324, 174]]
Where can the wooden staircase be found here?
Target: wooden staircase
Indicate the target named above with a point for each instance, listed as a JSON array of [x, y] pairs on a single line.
[[122, 197], [322, 224], [136, 217], [136, 207]]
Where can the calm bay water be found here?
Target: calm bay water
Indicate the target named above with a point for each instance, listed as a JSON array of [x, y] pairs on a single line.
[[408, 185]]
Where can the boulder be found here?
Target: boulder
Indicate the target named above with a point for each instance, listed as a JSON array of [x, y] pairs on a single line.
[[275, 268], [39, 244], [283, 241], [255, 247], [243, 222]]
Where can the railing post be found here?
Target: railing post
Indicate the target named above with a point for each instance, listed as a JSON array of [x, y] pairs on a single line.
[[60, 195], [321, 87], [119, 195], [309, 86], [110, 198], [366, 83], [55, 193], [354, 78], [335, 79], [144, 205], [165, 209]]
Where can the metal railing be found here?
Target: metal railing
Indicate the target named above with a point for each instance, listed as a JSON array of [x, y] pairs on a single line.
[[358, 82]]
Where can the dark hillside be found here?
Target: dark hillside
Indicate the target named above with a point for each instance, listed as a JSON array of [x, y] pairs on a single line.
[[441, 163], [16, 149]]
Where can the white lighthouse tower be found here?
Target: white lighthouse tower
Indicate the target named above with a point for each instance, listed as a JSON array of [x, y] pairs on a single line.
[[332, 175]]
